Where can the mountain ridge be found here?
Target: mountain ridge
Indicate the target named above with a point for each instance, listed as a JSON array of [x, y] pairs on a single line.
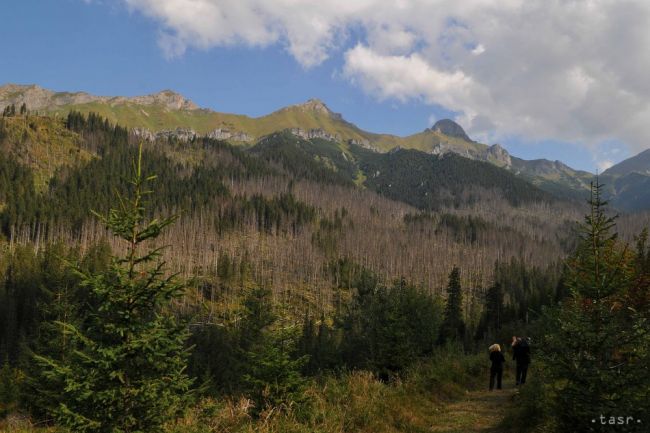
[[170, 114], [639, 163]]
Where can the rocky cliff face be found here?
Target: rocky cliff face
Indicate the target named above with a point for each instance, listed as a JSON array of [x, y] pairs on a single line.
[[498, 156], [314, 106], [187, 134], [443, 149], [314, 133], [38, 98], [450, 128]]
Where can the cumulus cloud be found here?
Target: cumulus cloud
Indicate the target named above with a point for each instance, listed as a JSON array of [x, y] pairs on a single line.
[[572, 70]]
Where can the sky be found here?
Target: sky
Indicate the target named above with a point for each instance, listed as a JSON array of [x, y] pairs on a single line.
[[555, 79]]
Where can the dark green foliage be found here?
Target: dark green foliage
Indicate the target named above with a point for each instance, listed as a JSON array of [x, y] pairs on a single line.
[[467, 229], [493, 313], [190, 189], [386, 328], [255, 354], [316, 159], [270, 367], [37, 287], [320, 341], [20, 293], [430, 182], [278, 215], [9, 389], [527, 288], [92, 186], [127, 352], [9, 111], [329, 230], [215, 359], [596, 344], [17, 193], [453, 327]]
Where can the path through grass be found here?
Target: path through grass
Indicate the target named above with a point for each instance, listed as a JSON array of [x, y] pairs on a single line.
[[477, 412]]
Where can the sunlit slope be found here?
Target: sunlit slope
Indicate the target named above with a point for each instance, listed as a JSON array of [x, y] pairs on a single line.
[[42, 143]]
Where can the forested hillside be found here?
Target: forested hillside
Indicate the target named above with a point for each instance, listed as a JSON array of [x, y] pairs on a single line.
[[167, 114], [294, 259]]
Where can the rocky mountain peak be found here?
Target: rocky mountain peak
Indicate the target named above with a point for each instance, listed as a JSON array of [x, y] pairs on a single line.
[[315, 105], [170, 99], [450, 128], [37, 98]]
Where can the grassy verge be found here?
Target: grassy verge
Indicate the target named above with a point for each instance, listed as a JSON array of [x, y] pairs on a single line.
[[354, 402], [350, 402], [532, 408]]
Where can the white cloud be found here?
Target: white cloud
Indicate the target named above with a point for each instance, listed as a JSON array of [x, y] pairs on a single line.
[[604, 165], [404, 77], [571, 70], [478, 50]]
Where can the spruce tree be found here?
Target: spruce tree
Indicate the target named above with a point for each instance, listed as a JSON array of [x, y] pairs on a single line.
[[453, 327], [9, 389], [595, 347], [494, 307], [271, 367], [124, 371]]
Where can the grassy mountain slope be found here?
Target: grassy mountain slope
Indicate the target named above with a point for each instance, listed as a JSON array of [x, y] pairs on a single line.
[[42, 143], [554, 177], [165, 111], [302, 116]]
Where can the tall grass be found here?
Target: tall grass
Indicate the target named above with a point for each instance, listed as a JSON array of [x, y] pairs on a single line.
[[352, 402], [355, 401]]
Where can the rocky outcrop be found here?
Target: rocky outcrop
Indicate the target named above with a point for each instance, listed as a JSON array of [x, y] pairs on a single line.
[[443, 149], [38, 98], [226, 134], [314, 133], [363, 143], [498, 156], [182, 134], [143, 133], [167, 98], [439, 149], [314, 106], [451, 129], [187, 134]]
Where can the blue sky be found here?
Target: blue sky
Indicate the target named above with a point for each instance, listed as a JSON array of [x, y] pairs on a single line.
[[107, 48]]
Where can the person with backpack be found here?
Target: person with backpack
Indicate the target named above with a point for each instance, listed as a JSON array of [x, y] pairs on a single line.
[[496, 369], [521, 355]]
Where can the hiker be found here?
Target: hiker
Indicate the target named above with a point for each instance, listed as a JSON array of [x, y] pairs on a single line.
[[496, 370], [521, 354]]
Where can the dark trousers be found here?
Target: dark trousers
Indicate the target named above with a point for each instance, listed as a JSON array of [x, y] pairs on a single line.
[[498, 374], [522, 371]]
